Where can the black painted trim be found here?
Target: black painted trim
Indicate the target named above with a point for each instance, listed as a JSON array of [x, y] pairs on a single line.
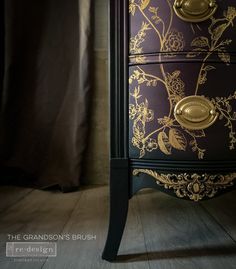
[[119, 163], [119, 202], [185, 166], [118, 72], [2, 46]]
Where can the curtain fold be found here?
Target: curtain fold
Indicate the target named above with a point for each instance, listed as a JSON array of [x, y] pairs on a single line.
[[47, 88]]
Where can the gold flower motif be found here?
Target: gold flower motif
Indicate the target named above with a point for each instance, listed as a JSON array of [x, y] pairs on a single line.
[[175, 84], [150, 144], [230, 14], [174, 41], [146, 113], [166, 121], [137, 143]]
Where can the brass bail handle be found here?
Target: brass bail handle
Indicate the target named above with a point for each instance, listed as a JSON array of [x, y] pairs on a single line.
[[195, 10], [195, 112]]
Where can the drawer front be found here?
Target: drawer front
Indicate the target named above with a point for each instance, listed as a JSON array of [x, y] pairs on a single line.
[[154, 27], [154, 91]]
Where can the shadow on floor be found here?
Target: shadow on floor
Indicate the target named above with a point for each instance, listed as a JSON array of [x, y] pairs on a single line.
[[179, 253]]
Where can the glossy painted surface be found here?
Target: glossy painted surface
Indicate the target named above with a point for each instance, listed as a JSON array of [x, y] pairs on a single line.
[[154, 27]]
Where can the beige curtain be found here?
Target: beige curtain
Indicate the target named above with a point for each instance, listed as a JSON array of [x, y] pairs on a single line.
[[47, 89]]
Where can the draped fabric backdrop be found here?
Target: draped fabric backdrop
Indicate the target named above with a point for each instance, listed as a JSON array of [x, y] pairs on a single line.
[[46, 93]]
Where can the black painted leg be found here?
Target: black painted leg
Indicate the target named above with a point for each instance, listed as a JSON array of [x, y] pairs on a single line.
[[119, 201]]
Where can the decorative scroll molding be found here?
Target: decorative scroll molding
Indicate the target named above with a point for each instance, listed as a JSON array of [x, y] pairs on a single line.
[[193, 186]]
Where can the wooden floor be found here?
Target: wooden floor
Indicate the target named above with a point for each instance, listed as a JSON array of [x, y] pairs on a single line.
[[161, 232]]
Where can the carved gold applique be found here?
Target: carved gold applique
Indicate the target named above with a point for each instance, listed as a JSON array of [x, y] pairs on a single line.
[[169, 134], [192, 186]]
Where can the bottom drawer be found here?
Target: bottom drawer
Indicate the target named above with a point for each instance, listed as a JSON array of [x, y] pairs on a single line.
[[154, 92]]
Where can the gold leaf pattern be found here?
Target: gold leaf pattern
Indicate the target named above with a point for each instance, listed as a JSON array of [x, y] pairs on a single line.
[[197, 133], [132, 111], [164, 143], [218, 31], [225, 57], [230, 14], [144, 4], [137, 40], [155, 17], [200, 41], [139, 129], [177, 139], [224, 108], [132, 7]]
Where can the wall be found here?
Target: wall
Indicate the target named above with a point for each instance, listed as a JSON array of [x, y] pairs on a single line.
[[97, 159]]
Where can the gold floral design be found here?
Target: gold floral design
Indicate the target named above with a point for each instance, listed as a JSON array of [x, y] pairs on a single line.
[[176, 86], [151, 144], [225, 110], [141, 114], [174, 42], [155, 17], [169, 135], [137, 40], [142, 4], [132, 111], [132, 7], [230, 14], [206, 46]]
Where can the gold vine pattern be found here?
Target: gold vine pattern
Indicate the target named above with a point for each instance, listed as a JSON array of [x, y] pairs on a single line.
[[192, 186], [169, 134]]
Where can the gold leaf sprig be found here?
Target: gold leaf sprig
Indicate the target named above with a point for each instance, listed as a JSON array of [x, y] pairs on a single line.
[[138, 39], [226, 112]]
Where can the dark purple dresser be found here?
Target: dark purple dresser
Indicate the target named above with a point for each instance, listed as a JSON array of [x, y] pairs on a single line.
[[173, 102]]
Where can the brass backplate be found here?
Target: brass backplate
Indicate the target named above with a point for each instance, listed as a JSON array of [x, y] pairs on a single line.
[[195, 10], [195, 112]]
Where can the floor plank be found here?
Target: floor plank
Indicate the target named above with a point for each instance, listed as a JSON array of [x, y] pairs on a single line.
[[10, 195], [39, 213], [180, 234], [223, 209], [91, 217], [162, 232]]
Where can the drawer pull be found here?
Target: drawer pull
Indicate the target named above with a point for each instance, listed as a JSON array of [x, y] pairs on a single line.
[[195, 112], [195, 10]]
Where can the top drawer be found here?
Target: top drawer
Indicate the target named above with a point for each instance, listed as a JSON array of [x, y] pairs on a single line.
[[155, 27]]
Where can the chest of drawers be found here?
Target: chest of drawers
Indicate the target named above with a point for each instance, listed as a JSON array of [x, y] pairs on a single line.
[[173, 102]]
